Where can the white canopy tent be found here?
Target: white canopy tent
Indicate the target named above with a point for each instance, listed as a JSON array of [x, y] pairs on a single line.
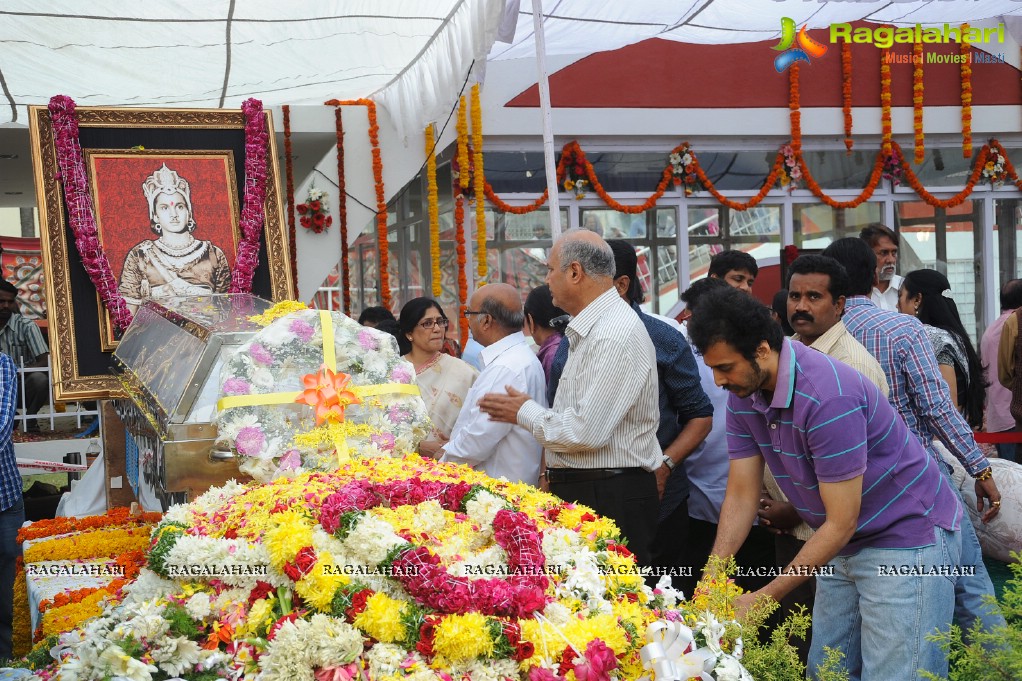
[[411, 56]]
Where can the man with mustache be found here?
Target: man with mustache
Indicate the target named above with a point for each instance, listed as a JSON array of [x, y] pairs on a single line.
[[849, 464], [884, 243]]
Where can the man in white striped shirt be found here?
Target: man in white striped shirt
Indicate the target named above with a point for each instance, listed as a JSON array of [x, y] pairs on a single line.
[[600, 434]]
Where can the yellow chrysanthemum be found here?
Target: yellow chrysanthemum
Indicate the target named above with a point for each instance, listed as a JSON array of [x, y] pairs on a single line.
[[321, 583], [633, 613], [281, 309], [461, 638], [260, 617], [621, 574], [382, 619], [292, 533], [605, 627]]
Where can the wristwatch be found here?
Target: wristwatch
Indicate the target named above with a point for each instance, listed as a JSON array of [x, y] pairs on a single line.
[[669, 462]]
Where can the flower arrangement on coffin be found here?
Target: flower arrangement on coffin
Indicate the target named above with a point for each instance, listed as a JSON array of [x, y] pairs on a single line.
[[790, 175], [892, 167], [284, 412], [993, 169], [315, 211], [575, 177], [683, 169], [397, 569]]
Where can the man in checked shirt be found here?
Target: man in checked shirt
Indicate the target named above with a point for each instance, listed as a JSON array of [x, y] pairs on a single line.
[[922, 398]]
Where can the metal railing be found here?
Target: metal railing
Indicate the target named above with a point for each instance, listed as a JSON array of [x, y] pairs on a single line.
[[82, 413]]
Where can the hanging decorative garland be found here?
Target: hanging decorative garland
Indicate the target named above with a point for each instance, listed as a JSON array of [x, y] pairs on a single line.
[[794, 114], [885, 103], [846, 92], [342, 209], [479, 184], [917, 102], [381, 196], [256, 145], [289, 184], [966, 71], [434, 210], [82, 216], [462, 127], [958, 198], [459, 236]]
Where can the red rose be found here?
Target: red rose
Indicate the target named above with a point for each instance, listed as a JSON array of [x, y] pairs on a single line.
[[261, 590], [358, 603], [305, 560], [302, 208], [329, 221], [306, 221], [524, 650], [318, 219], [315, 206], [290, 617]]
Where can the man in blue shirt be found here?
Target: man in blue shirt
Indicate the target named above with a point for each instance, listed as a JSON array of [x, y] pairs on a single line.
[[921, 396], [12, 508], [686, 414]]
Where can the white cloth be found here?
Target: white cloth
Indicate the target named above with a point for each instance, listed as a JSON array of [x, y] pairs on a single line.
[[888, 300], [607, 408], [501, 450]]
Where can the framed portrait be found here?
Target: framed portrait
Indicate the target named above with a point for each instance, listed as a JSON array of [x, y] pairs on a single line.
[[157, 250], [167, 186]]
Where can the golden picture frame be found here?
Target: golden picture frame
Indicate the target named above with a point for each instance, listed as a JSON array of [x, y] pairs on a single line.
[[81, 336]]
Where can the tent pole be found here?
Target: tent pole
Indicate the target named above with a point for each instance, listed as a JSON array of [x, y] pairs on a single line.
[[548, 128]]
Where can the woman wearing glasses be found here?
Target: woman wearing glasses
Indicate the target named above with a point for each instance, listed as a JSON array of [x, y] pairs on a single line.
[[443, 380]]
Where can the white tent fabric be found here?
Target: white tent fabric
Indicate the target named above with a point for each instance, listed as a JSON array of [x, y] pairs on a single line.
[[573, 27], [411, 56]]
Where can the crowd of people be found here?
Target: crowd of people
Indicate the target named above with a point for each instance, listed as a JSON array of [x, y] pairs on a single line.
[[809, 440]]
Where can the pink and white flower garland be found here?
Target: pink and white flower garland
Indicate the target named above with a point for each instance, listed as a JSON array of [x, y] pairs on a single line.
[[256, 139], [82, 215], [80, 211], [422, 573]]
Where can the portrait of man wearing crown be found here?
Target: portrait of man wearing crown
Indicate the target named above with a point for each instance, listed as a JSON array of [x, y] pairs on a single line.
[[175, 263]]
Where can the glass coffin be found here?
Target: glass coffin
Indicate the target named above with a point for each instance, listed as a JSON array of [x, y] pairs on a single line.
[[169, 362]]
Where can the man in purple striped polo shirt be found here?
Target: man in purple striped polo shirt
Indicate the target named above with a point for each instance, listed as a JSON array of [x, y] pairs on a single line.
[[887, 522]]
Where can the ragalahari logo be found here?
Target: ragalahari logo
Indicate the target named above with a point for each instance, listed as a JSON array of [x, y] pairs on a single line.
[[807, 47]]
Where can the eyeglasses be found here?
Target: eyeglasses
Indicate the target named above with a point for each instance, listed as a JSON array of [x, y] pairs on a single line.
[[428, 324], [469, 313]]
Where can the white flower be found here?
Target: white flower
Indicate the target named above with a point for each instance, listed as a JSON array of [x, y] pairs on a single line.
[[147, 587], [198, 606], [730, 669], [176, 656], [119, 663], [371, 540]]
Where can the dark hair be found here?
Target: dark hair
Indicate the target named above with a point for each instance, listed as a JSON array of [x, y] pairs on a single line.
[[411, 314], [859, 262], [736, 318], [1011, 295], [780, 307], [697, 290], [626, 264], [393, 328], [821, 264], [940, 311], [873, 232], [726, 261], [375, 315], [539, 305], [8, 287]]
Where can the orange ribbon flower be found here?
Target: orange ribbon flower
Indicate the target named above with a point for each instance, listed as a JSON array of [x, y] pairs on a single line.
[[326, 392]]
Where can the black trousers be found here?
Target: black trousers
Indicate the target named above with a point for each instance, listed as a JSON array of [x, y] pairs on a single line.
[[757, 551], [629, 499]]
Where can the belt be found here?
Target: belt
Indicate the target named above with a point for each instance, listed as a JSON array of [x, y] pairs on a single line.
[[555, 475]]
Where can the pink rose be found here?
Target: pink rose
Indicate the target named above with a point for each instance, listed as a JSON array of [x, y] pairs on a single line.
[[597, 664]]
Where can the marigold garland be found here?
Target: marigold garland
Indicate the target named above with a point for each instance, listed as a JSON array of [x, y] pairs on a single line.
[[867, 192], [573, 150], [795, 114], [462, 127], [459, 236], [342, 200], [885, 103], [21, 642], [479, 183], [958, 198], [917, 102], [381, 199], [755, 200], [64, 618], [289, 183], [114, 517], [433, 201], [846, 92], [966, 72], [103, 543]]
